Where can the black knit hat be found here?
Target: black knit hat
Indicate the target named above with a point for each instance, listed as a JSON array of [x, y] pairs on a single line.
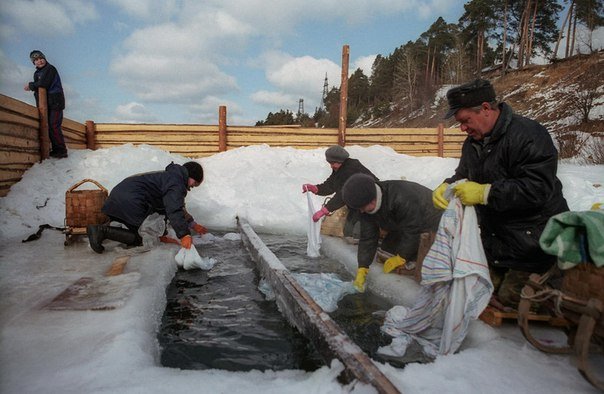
[[36, 54], [336, 154], [195, 170], [469, 95], [358, 191]]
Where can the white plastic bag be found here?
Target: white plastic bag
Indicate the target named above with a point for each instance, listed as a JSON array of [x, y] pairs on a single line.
[[190, 259], [314, 231]]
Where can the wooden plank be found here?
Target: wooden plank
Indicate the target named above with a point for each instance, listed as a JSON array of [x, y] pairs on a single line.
[[73, 125], [17, 143], [12, 157], [495, 317], [149, 138], [16, 130], [18, 106], [7, 117], [118, 265], [159, 128], [302, 311]]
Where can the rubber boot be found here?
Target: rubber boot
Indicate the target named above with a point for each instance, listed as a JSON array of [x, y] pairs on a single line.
[[122, 235], [96, 235]]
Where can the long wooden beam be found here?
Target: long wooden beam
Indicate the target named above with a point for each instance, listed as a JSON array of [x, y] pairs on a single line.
[[304, 313]]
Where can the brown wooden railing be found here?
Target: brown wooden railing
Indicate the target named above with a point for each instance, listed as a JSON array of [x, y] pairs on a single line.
[[22, 138]]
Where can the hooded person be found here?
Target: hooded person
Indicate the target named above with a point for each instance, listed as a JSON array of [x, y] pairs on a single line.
[[343, 167], [402, 209], [135, 198]]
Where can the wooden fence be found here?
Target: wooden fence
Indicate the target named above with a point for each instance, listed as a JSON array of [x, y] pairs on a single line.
[[20, 138]]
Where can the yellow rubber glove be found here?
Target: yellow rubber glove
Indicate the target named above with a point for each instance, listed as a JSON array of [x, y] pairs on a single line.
[[472, 193], [438, 196], [597, 206], [359, 282], [393, 263]]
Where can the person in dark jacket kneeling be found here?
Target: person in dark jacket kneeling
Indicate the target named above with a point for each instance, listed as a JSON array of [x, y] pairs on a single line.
[[510, 163], [403, 209], [138, 196], [343, 167]]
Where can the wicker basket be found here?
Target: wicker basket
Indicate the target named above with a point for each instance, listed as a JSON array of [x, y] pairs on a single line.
[[83, 207], [334, 224], [584, 281]]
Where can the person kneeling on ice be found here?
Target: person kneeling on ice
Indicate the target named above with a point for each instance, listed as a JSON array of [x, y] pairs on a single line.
[[511, 164], [401, 208], [135, 198], [343, 167]]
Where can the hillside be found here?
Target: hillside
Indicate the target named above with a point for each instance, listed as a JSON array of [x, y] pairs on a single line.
[[551, 94]]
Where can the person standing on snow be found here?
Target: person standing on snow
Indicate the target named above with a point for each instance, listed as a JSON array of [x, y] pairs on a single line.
[[510, 163], [343, 167], [401, 208], [138, 196], [46, 76]]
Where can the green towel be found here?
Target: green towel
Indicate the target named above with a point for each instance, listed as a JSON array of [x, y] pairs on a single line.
[[562, 237]]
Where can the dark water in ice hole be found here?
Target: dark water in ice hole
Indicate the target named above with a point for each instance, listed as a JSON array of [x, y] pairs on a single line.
[[219, 319]]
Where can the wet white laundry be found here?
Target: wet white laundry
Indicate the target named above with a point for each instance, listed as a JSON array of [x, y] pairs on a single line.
[[314, 231], [456, 287], [190, 259]]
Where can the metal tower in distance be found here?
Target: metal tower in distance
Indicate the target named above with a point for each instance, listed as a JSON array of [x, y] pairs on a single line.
[[324, 95], [300, 106]]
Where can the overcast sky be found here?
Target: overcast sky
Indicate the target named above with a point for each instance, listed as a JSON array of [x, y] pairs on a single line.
[[176, 61]]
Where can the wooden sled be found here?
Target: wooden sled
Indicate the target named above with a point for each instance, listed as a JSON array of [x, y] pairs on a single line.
[[581, 303]]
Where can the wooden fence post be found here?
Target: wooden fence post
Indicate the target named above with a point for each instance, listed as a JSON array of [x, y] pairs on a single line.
[[343, 96], [222, 128], [43, 131], [441, 140], [90, 135]]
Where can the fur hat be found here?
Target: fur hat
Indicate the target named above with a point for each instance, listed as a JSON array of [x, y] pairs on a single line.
[[336, 154], [358, 191], [469, 95], [195, 170]]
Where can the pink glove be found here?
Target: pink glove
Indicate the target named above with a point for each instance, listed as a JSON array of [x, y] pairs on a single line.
[[319, 214], [308, 187]]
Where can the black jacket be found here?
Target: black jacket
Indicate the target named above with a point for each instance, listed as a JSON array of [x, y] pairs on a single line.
[[333, 184], [520, 161], [405, 212], [138, 196], [48, 77]]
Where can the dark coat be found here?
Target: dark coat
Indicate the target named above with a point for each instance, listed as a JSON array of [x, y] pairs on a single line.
[[48, 77], [520, 161], [336, 180], [405, 212], [138, 196]]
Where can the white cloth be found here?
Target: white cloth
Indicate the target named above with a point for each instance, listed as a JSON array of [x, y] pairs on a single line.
[[190, 259], [456, 287], [314, 231]]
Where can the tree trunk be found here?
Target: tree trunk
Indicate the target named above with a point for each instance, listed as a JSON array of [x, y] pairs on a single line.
[[561, 33], [568, 33], [572, 44], [530, 46], [505, 37]]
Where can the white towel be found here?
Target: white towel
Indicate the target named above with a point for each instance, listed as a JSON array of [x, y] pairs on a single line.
[[314, 231], [456, 287]]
